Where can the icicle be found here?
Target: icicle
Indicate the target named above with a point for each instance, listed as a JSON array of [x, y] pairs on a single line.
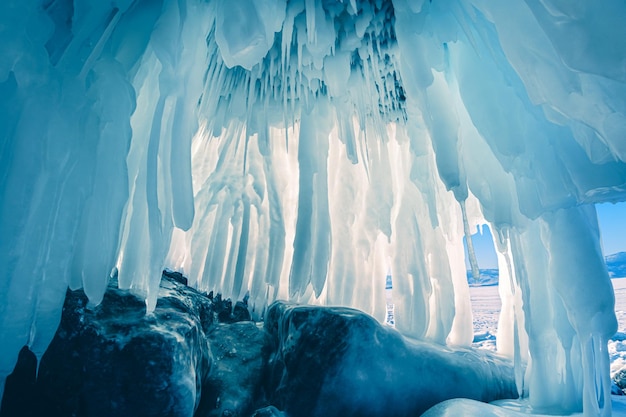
[[312, 239], [517, 357], [180, 168], [310, 20], [242, 252], [470, 245]]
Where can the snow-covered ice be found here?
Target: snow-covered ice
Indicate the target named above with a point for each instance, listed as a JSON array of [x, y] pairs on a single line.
[[486, 306]]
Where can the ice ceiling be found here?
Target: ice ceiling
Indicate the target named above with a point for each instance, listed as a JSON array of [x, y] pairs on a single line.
[[299, 149]]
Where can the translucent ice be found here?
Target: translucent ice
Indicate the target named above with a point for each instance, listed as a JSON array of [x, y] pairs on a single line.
[[298, 149]]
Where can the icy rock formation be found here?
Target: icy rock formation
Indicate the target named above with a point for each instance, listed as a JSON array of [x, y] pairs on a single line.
[[116, 360], [236, 385], [185, 358], [226, 313], [298, 149], [177, 361], [333, 361]]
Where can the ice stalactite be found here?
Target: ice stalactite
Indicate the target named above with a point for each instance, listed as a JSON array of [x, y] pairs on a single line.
[[471, 253], [299, 149], [311, 244]]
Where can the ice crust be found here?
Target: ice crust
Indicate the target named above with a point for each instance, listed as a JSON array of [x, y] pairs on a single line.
[[291, 148]]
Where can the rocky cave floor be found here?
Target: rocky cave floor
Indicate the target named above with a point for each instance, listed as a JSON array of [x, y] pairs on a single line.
[[200, 355]]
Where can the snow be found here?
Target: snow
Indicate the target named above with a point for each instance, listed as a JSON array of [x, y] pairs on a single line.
[[469, 408], [291, 148], [486, 306]]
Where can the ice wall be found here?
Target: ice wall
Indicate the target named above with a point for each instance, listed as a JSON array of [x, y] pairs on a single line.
[[301, 149]]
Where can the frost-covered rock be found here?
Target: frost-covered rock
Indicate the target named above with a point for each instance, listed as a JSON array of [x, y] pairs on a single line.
[[235, 385], [225, 311], [333, 361], [114, 360]]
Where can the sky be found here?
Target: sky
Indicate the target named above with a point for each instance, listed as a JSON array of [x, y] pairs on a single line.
[[612, 220], [483, 247]]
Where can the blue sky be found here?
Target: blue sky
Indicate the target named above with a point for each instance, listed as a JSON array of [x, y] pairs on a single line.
[[483, 247], [612, 220]]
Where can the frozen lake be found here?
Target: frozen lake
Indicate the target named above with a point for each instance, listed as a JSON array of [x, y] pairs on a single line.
[[485, 312], [486, 307]]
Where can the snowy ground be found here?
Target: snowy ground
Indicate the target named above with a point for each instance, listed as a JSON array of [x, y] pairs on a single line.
[[486, 310]]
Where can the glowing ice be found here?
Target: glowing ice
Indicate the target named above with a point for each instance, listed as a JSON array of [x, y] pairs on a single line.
[[290, 148]]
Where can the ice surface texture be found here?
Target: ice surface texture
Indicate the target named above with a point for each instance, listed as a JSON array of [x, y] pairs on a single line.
[[184, 360], [299, 149], [116, 360], [339, 362]]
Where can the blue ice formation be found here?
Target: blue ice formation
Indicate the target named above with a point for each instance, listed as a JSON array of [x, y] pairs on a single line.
[[290, 147]]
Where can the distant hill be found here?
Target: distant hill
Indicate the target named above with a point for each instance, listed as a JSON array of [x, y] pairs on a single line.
[[615, 263], [487, 277]]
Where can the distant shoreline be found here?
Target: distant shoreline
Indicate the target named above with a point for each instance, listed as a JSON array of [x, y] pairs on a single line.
[[616, 265]]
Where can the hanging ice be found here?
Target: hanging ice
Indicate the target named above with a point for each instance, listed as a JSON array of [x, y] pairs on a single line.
[[289, 148]]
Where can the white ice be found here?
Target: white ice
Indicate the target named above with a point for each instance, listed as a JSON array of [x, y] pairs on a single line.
[[294, 149]]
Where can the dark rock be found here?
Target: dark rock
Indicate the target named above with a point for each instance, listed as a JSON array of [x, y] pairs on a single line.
[[19, 392], [235, 384], [241, 312], [223, 309], [227, 314], [115, 360], [341, 362], [176, 276]]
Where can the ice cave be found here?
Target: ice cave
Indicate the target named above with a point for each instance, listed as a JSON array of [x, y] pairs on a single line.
[[303, 151]]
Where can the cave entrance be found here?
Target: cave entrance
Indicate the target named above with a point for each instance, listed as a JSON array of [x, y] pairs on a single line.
[[485, 299], [612, 222], [484, 296]]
